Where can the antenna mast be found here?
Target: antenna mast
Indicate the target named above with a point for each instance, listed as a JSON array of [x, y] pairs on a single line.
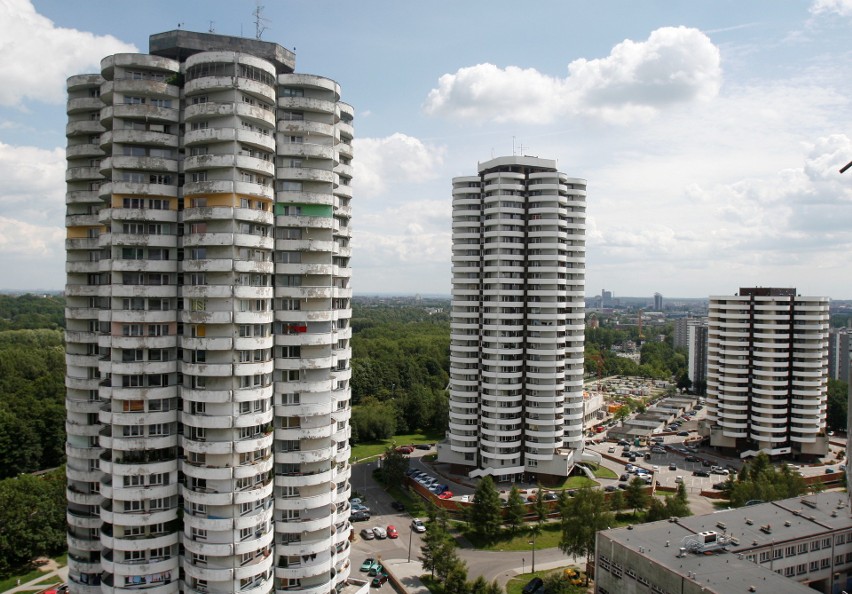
[[259, 20]]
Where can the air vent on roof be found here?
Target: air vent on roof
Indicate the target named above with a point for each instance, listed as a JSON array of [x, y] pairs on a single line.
[[787, 523], [721, 525], [810, 503], [767, 529], [749, 522]]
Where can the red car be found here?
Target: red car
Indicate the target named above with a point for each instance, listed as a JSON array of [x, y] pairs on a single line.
[[392, 532], [445, 495], [405, 449]]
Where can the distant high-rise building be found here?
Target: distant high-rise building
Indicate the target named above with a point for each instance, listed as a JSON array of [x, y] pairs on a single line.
[[697, 351], [767, 372], [838, 354], [606, 298], [516, 351], [658, 302], [208, 308]]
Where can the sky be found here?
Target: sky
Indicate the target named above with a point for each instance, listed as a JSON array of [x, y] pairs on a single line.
[[711, 132]]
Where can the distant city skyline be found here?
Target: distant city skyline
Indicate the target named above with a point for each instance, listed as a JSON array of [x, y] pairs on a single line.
[[711, 134]]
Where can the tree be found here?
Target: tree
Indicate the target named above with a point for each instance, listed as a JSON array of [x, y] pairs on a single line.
[[582, 517], [394, 465], [485, 512], [759, 480], [616, 501], [373, 420], [515, 510], [32, 514], [438, 547], [540, 506], [838, 402], [636, 495], [656, 511], [456, 579]]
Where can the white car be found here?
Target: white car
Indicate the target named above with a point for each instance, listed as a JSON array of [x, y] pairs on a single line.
[[418, 525], [465, 498], [380, 532]]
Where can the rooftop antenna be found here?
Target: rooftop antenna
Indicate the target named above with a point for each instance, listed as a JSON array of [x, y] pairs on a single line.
[[513, 146], [211, 29], [181, 25], [259, 20], [845, 167]]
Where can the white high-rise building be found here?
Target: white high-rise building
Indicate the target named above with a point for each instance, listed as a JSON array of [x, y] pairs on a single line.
[[767, 372], [208, 308], [516, 351]]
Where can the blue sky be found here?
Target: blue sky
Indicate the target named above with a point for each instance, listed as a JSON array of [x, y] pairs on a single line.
[[710, 132]]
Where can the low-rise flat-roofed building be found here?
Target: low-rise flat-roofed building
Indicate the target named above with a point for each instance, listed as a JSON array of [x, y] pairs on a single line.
[[793, 545]]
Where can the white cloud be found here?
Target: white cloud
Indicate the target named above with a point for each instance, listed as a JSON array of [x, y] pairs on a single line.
[[38, 56], [395, 158], [33, 186], [839, 7], [638, 79], [21, 239]]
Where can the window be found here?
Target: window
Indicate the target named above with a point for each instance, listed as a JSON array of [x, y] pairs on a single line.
[[198, 534], [292, 92]]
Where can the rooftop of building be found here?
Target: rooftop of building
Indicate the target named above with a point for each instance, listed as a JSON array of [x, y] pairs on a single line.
[[180, 44], [755, 527], [517, 160]]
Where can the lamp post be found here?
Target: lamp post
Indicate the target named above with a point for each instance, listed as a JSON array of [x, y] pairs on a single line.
[[523, 566], [532, 542], [409, 544]]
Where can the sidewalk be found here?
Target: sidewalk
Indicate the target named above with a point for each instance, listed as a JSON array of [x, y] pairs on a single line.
[[406, 574]]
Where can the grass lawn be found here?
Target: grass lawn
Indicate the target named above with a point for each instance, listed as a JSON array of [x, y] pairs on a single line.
[[371, 449], [579, 482], [517, 583], [11, 582], [603, 472], [549, 538]]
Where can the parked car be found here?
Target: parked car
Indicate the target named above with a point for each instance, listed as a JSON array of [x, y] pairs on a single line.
[[380, 532], [418, 525], [376, 569], [359, 516], [392, 532], [658, 450], [424, 446], [672, 466], [465, 498], [706, 463], [683, 433], [720, 486], [611, 450], [610, 488], [368, 563], [700, 473], [692, 459], [445, 495], [719, 470], [533, 585], [829, 470], [379, 580], [405, 449], [367, 534], [398, 506]]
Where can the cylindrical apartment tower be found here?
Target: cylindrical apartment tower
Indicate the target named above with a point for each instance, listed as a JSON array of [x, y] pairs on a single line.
[[516, 350], [208, 321], [767, 372]]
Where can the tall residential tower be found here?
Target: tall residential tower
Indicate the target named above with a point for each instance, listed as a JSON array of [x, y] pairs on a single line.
[[208, 308], [516, 351], [767, 372]]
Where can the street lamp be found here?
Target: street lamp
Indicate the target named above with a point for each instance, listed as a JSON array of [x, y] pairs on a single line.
[[532, 542], [410, 532]]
